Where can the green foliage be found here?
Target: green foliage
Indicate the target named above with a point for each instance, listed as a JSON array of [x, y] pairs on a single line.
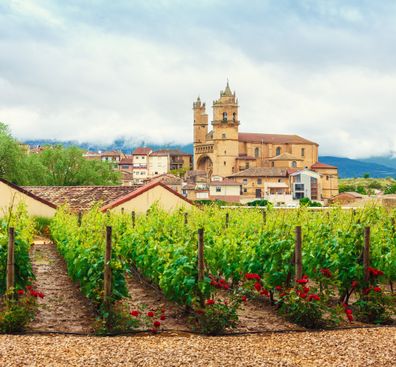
[[391, 189], [16, 312], [216, 318], [261, 202], [54, 166], [374, 308], [24, 231], [310, 203], [42, 226]]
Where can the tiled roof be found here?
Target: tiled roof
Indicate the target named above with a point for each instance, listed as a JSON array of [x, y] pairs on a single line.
[[224, 182], [285, 157], [80, 197], [273, 139], [112, 153], [319, 165], [142, 151], [125, 161], [171, 152], [167, 179], [262, 172]]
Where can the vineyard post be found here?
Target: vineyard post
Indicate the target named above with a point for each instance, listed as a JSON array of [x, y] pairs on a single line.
[[264, 213], [133, 219], [298, 254], [11, 259], [185, 218], [79, 218], [122, 210], [227, 219], [201, 262], [107, 270], [366, 254]]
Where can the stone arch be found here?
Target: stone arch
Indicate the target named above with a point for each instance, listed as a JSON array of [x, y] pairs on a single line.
[[204, 163]]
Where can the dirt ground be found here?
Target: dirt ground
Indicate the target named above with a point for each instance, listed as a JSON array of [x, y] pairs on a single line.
[[358, 347], [63, 308]]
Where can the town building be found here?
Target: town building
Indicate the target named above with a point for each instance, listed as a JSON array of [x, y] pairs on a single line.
[[225, 151]]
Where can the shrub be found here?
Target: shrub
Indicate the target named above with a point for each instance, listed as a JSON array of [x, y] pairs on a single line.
[[310, 203], [41, 225], [261, 202], [217, 316]]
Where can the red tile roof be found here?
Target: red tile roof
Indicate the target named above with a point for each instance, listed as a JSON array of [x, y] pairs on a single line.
[[262, 172], [319, 165], [273, 139], [224, 182], [142, 151]]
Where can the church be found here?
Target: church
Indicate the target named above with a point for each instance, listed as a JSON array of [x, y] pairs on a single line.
[[226, 152]]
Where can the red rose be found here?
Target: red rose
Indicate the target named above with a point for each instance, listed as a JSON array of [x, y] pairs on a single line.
[[354, 283], [348, 311], [163, 317], [350, 317], [377, 289], [306, 289], [326, 272], [305, 276], [257, 285], [157, 324], [244, 298], [303, 295], [210, 302], [226, 287], [252, 276], [135, 313], [283, 294], [199, 312], [278, 288], [150, 314], [313, 297], [214, 283], [40, 294], [21, 292], [302, 281], [264, 292]]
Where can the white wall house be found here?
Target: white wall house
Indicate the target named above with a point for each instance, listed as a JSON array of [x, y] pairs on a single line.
[[158, 164], [306, 184]]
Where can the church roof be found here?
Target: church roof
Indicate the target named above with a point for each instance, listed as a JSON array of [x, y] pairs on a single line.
[[227, 91], [273, 139], [285, 157], [319, 165], [262, 172]]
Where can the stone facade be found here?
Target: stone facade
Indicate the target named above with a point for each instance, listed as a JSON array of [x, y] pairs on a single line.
[[224, 151]]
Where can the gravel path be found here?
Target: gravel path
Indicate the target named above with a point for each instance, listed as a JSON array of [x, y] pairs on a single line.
[[364, 347], [63, 308]]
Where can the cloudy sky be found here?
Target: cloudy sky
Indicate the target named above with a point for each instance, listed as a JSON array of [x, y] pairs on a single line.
[[97, 70]]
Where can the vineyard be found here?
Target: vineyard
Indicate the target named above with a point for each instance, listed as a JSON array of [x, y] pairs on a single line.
[[316, 269]]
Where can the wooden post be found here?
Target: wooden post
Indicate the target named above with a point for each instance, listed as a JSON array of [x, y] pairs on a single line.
[[227, 219], [298, 254], [264, 214], [122, 210], [133, 219], [366, 254], [185, 218], [107, 270], [79, 218], [11, 259], [201, 261]]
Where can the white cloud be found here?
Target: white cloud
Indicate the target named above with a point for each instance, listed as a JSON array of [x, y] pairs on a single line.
[[82, 80]]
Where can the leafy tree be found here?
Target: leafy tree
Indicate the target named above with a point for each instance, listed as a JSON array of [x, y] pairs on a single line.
[[391, 189], [366, 175]]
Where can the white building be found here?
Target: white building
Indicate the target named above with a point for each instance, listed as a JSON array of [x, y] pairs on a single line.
[[306, 184], [140, 158]]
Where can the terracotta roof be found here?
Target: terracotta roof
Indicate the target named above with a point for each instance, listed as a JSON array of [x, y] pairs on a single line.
[[273, 139], [142, 151], [28, 193], [262, 172], [140, 191], [80, 197], [224, 182], [125, 161], [285, 157], [167, 179], [112, 153], [171, 152], [319, 165]]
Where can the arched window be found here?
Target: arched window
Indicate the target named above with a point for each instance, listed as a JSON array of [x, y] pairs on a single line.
[[234, 116], [256, 152], [224, 116], [278, 151], [294, 164]]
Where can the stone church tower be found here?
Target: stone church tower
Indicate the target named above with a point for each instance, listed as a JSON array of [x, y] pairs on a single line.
[[216, 151]]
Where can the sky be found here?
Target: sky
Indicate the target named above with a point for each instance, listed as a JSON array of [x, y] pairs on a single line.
[[94, 71]]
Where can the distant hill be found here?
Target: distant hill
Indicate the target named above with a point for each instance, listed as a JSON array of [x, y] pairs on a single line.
[[349, 168]]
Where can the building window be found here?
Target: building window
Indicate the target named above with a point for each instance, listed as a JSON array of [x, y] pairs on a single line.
[[234, 116], [279, 180], [245, 181], [259, 181], [256, 152], [218, 188], [225, 163], [224, 116], [302, 152], [299, 187], [245, 190], [294, 164], [247, 165], [278, 151], [223, 136], [327, 178]]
